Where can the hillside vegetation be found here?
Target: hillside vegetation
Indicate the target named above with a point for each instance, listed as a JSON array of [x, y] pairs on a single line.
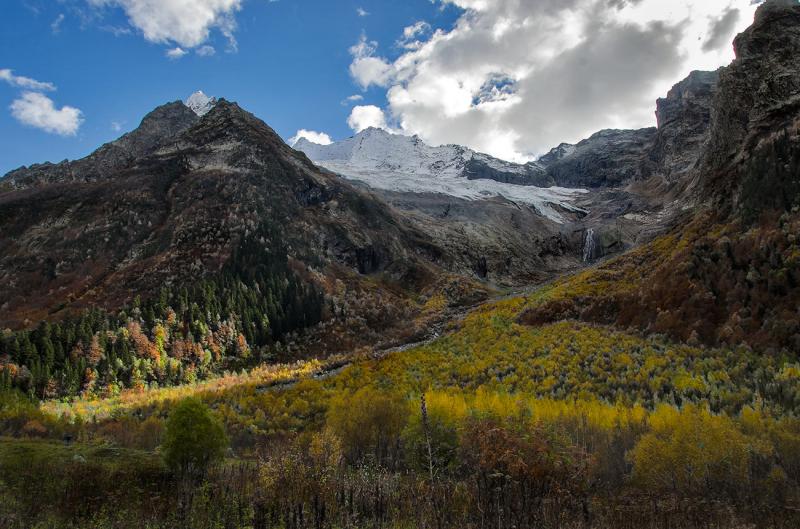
[[561, 423]]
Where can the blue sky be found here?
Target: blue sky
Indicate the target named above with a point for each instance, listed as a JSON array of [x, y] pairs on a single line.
[[508, 77], [291, 67]]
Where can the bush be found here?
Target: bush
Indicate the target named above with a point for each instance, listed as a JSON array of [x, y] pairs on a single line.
[[194, 439], [691, 452]]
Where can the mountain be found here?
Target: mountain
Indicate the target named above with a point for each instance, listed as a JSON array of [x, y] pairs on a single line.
[[170, 202], [500, 231], [726, 272], [616, 158], [158, 127], [214, 224], [684, 118], [400, 163], [375, 149], [755, 117], [609, 158], [607, 193]]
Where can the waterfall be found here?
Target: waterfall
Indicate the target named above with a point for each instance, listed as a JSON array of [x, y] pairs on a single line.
[[588, 246]]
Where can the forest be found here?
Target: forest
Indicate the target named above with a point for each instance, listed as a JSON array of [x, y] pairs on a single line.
[[496, 424], [223, 322]]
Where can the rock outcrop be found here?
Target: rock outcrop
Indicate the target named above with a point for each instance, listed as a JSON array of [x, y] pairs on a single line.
[[609, 158], [757, 102], [683, 119]]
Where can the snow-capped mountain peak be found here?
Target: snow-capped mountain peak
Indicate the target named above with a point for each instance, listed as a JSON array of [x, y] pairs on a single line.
[[395, 162], [200, 103]]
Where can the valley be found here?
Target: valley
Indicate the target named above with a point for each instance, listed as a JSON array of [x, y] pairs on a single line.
[[203, 326]]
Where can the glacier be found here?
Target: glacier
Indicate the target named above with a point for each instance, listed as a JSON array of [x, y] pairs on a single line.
[[406, 164]]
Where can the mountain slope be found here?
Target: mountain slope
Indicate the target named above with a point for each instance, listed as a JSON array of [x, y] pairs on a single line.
[[178, 212], [158, 127], [728, 272]]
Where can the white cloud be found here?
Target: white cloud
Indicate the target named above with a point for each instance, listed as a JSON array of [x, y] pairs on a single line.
[[37, 110], [360, 11], [412, 34], [367, 69], [314, 137], [365, 116], [186, 23], [514, 78], [349, 100], [206, 51], [25, 82], [55, 26], [175, 53]]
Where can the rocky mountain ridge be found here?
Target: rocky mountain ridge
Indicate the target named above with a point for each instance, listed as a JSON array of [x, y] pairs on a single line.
[[70, 240], [158, 127]]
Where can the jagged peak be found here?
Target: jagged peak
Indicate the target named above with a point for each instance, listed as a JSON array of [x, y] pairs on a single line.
[[770, 15]]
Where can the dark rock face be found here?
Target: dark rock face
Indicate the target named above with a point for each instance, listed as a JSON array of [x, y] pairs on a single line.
[[495, 239], [556, 154], [758, 94], [530, 174], [608, 158], [158, 127], [683, 118], [615, 158]]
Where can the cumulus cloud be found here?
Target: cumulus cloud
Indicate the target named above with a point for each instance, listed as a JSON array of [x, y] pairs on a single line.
[[182, 22], [25, 82], [367, 69], [365, 116], [514, 78], [37, 110], [360, 11], [313, 136], [175, 53]]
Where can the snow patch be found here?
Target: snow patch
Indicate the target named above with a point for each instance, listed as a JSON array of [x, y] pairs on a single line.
[[200, 103]]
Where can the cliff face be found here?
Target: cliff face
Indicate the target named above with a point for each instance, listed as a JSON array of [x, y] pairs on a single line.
[[757, 102], [615, 158], [609, 158], [683, 118]]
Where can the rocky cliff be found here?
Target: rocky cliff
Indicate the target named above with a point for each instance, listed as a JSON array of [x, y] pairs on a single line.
[[756, 105], [683, 126], [609, 158], [615, 158]]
